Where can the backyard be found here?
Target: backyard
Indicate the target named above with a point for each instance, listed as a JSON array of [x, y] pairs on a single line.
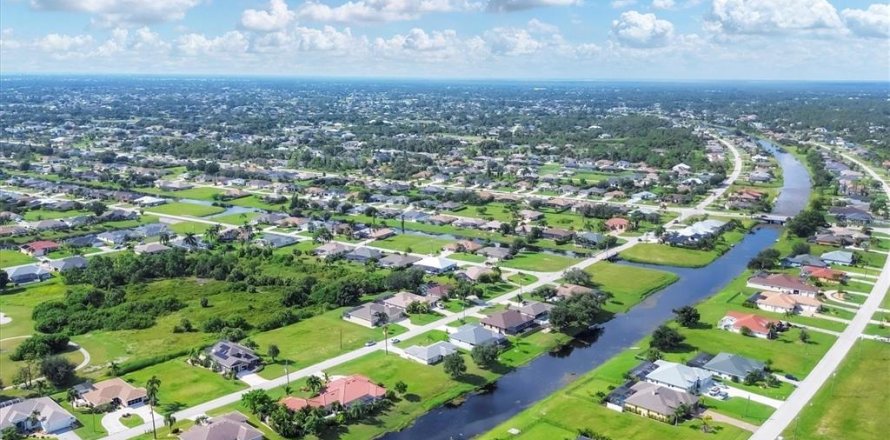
[[185, 209]]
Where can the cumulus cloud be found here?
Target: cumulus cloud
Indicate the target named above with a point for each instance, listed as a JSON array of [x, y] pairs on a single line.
[[771, 16], [637, 30], [871, 22], [63, 43], [379, 10], [663, 4], [540, 27], [621, 4], [112, 12], [232, 42], [276, 17], [519, 5]]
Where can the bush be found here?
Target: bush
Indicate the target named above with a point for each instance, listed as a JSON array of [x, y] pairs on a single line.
[[39, 346]]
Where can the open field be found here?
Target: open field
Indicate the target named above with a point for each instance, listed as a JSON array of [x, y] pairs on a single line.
[[10, 257], [18, 303], [198, 193], [48, 214], [628, 285], [668, 255], [415, 243], [237, 219], [254, 201], [853, 404], [539, 262], [190, 227], [185, 209], [183, 385]]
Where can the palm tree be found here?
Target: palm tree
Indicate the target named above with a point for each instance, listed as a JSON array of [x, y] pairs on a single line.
[[71, 395], [169, 420], [34, 418], [315, 384], [114, 368], [383, 320], [151, 391], [190, 240], [164, 238], [706, 424], [211, 235]]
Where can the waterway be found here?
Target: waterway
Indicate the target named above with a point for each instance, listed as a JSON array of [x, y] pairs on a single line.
[[541, 377]]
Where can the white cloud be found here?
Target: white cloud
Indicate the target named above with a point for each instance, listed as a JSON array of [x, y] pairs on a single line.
[[871, 22], [519, 5], [621, 4], [638, 30], [8, 40], [277, 17], [772, 16], [232, 42], [379, 10], [663, 4], [512, 41], [63, 43], [540, 27], [112, 12]]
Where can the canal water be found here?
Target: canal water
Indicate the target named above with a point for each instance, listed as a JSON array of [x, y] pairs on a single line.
[[546, 374]]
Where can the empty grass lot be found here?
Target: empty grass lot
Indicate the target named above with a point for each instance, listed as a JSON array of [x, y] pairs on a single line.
[[47, 214], [416, 243], [186, 209], [190, 227], [628, 285], [539, 262], [237, 219], [853, 404], [183, 385], [200, 193], [10, 257], [668, 255]]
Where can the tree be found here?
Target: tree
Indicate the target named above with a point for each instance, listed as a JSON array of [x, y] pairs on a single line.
[[652, 354], [273, 351], [4, 279], [169, 420], [114, 368], [257, 401], [577, 276], [454, 365], [315, 384], [687, 316], [97, 208], [58, 370], [151, 392], [577, 311], [485, 355], [806, 223], [800, 248], [752, 378], [745, 331], [706, 426], [401, 387], [11, 433], [765, 259], [804, 336], [666, 338], [190, 240]]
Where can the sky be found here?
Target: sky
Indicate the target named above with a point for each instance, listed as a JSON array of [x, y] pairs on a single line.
[[481, 39]]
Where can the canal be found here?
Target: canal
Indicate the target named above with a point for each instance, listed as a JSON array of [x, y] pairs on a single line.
[[546, 374]]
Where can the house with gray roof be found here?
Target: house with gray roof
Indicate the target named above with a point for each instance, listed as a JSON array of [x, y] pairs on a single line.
[[231, 357], [51, 417], [397, 261], [364, 254], [369, 315], [843, 258], [680, 377], [733, 367], [656, 401], [231, 426], [470, 335], [430, 354], [28, 274], [65, 264]]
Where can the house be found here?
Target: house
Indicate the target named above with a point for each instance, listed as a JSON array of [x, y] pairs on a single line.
[[759, 326], [475, 273], [843, 258], [66, 264], [508, 322], [347, 391], [497, 253], [823, 274], [733, 367], [439, 291], [557, 234], [275, 241], [786, 303], [783, 283], [657, 402], [371, 314], [468, 336], [150, 248], [28, 274], [230, 426], [531, 215], [617, 224], [114, 238], [39, 248], [47, 225], [680, 377], [803, 260], [436, 265], [404, 299], [231, 357], [114, 391], [590, 239], [538, 311], [35, 414], [364, 254], [430, 354], [331, 250], [397, 261], [382, 233], [147, 201], [463, 246], [681, 169]]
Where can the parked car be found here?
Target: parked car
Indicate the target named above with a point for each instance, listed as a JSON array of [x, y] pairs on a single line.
[[790, 377], [370, 343], [395, 340]]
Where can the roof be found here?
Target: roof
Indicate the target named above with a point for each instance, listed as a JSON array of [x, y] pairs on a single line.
[[365, 252], [42, 244], [50, 412], [430, 352], [398, 260], [64, 264], [150, 248], [231, 426], [617, 221], [108, 390], [839, 256], [535, 308], [229, 354], [369, 311], [344, 390], [733, 365], [677, 375], [658, 399], [507, 319], [567, 290], [757, 324], [475, 272], [786, 301], [783, 281], [475, 334], [404, 299], [438, 263]]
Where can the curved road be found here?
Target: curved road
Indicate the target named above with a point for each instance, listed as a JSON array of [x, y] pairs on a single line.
[[83, 364]]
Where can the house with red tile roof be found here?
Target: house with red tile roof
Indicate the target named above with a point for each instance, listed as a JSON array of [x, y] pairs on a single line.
[[39, 248], [823, 274], [617, 224], [783, 283], [758, 325], [347, 391]]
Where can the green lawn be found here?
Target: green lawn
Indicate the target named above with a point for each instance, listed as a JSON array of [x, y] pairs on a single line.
[[424, 318], [90, 424], [463, 256], [9, 257], [415, 243], [199, 193], [628, 285], [522, 279], [193, 227], [524, 349], [491, 211], [237, 219], [668, 255], [185, 209], [184, 385], [254, 201], [539, 262], [316, 339], [46, 214], [854, 403], [742, 409], [64, 253], [18, 303], [131, 421], [430, 337]]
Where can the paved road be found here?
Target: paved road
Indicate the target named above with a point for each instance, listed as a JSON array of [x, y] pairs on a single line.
[[783, 417]]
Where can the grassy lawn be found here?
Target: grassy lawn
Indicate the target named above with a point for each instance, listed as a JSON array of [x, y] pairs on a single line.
[[183, 385], [463, 321], [742, 409], [668, 255], [539, 262], [430, 337], [8, 368], [131, 420], [522, 279], [46, 214], [90, 424], [628, 285], [491, 211], [524, 349], [577, 406], [199, 193], [424, 318], [316, 339], [237, 219], [18, 303], [463, 256], [9, 257], [853, 404], [254, 201], [780, 392], [64, 253], [193, 227], [416, 243], [186, 209]]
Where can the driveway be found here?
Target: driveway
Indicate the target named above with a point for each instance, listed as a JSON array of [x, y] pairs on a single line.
[[111, 421], [736, 392], [67, 434], [717, 417], [251, 378]]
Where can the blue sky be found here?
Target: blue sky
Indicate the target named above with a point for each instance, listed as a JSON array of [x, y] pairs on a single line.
[[552, 39]]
